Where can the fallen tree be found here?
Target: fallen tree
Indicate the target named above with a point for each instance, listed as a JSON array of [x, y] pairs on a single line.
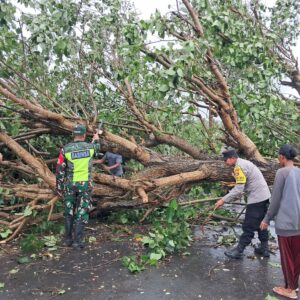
[[154, 101]]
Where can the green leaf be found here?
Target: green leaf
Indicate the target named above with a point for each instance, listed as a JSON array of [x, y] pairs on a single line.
[[170, 72], [54, 248], [39, 39], [275, 265], [50, 241], [133, 267], [6, 233], [155, 256], [125, 261], [2, 284], [14, 271], [123, 219], [146, 240], [171, 243], [180, 72], [27, 211], [60, 45], [269, 297], [173, 204], [191, 109], [152, 234], [23, 260], [61, 292], [163, 88], [92, 240]]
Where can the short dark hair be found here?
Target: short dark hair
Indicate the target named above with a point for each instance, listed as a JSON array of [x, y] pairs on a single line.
[[229, 154], [288, 151]]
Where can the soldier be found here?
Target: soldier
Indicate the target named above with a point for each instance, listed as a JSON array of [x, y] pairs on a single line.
[[249, 179], [74, 183]]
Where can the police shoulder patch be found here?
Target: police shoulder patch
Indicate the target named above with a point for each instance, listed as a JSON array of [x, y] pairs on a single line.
[[239, 175]]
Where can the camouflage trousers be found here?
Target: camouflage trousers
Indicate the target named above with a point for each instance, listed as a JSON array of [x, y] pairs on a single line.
[[77, 198]]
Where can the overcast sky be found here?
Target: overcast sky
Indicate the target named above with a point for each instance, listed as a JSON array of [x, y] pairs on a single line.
[[146, 8]]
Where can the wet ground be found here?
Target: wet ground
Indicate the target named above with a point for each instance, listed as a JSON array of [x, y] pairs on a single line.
[[97, 273]]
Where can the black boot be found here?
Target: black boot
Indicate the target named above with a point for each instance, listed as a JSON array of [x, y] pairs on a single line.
[[263, 249], [236, 252], [68, 231], [78, 235]]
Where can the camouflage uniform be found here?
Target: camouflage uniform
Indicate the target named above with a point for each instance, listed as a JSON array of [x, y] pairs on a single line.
[[73, 178]]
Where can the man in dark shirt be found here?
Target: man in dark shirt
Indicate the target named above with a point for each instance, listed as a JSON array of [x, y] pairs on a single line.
[[114, 162]]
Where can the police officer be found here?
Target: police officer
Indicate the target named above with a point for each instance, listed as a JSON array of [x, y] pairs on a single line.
[[74, 183], [250, 180]]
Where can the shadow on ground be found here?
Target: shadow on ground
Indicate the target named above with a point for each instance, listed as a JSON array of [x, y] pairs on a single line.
[[97, 273]]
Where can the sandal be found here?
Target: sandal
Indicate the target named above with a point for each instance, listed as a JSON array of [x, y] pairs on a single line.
[[288, 293]]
